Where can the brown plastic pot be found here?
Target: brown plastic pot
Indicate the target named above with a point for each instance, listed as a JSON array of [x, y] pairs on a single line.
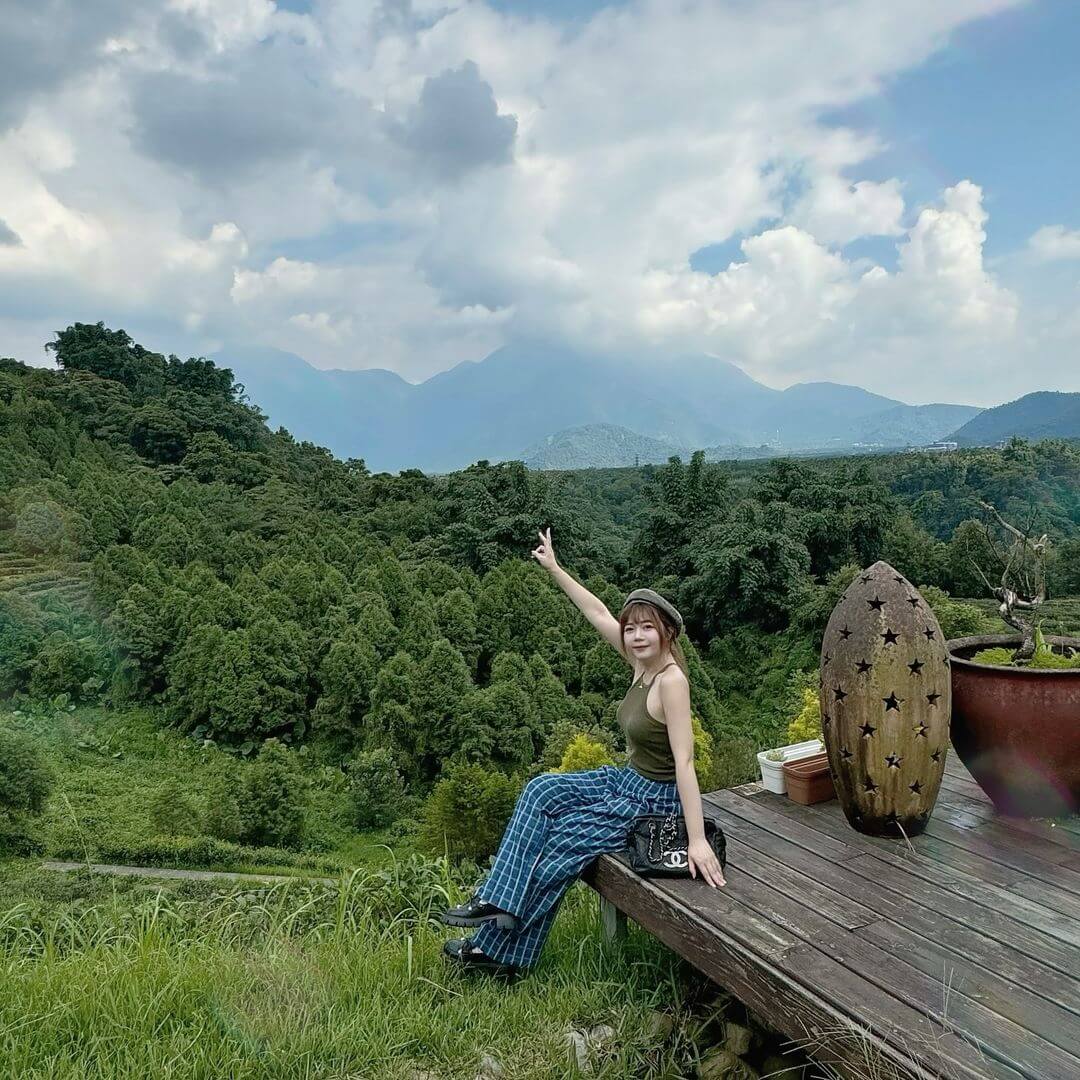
[[1017, 729], [809, 780]]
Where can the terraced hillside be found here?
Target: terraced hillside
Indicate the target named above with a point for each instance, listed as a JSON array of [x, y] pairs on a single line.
[[47, 585]]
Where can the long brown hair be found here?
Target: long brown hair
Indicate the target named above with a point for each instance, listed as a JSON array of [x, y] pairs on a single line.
[[643, 611]]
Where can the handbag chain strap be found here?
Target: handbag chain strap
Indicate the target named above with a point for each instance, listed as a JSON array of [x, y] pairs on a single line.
[[667, 836]]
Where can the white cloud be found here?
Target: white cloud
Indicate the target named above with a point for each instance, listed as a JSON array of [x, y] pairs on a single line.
[[240, 173], [838, 212], [1053, 242]]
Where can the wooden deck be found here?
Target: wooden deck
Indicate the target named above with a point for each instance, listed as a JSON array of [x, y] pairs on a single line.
[[958, 956]]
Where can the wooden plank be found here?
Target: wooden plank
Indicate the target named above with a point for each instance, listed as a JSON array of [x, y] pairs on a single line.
[[1044, 830], [958, 871], [988, 952], [990, 1012], [965, 784], [991, 846], [809, 996], [1050, 844], [1065, 904], [997, 942]]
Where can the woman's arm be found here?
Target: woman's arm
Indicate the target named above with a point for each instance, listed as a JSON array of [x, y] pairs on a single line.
[[675, 698], [592, 607]]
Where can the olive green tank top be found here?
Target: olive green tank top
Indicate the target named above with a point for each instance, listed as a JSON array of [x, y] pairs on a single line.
[[647, 745]]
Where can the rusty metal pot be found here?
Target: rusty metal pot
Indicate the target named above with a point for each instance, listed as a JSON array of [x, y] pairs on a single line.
[[1017, 729]]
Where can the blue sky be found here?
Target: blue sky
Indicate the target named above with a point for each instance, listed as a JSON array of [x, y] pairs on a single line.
[[881, 194]]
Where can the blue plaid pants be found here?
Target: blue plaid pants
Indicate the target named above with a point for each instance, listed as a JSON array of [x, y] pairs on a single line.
[[561, 823]]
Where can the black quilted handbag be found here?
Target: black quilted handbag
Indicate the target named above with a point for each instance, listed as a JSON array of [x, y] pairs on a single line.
[[656, 845]]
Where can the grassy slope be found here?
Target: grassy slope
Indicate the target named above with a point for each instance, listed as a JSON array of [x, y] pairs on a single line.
[[124, 979]]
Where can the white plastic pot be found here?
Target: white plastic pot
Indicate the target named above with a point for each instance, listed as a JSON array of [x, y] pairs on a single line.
[[772, 772]]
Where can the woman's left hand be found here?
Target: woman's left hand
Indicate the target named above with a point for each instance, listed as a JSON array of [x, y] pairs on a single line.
[[703, 860]]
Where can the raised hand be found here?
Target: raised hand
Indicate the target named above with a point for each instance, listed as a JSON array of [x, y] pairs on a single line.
[[545, 553]]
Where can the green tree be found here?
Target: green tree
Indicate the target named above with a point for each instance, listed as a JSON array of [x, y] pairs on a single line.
[[273, 798], [376, 789], [347, 677], [466, 813], [25, 783]]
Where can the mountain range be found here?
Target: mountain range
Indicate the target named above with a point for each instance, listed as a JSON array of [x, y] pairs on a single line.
[[1045, 414], [556, 408]]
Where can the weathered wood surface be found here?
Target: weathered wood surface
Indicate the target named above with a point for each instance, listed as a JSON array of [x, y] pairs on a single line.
[[954, 955]]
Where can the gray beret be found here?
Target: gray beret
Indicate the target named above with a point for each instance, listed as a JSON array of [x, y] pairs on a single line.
[[654, 598]]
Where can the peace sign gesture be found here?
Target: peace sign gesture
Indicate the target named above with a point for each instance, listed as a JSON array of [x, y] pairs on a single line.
[[545, 553]]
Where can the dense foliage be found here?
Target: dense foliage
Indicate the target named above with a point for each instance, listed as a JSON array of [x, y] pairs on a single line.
[[159, 545]]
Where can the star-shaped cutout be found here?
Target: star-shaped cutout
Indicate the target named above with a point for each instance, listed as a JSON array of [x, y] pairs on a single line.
[[826, 660], [915, 667], [898, 579], [930, 634], [932, 699], [893, 761], [868, 729], [913, 601], [915, 788], [826, 720], [892, 702], [845, 633], [845, 753], [869, 786], [863, 666], [936, 755], [840, 693], [876, 604], [890, 637], [920, 730], [866, 578]]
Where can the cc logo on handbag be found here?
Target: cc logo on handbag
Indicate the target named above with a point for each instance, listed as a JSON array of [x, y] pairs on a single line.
[[675, 860]]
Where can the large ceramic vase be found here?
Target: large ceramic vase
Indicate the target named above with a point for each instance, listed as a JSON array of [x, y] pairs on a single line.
[[1018, 729], [885, 701]]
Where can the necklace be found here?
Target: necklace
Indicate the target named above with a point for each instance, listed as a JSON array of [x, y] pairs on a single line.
[[641, 678]]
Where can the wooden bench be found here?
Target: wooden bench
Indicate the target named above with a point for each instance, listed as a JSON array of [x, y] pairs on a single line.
[[955, 956]]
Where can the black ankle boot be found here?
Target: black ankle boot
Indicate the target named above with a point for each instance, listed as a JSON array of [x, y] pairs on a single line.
[[462, 951], [476, 912]]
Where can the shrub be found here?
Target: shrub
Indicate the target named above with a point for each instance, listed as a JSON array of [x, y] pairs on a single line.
[[583, 753], [25, 783], [204, 852], [376, 789], [221, 815], [467, 811], [272, 798], [704, 757], [956, 618], [563, 732], [173, 811], [807, 724]]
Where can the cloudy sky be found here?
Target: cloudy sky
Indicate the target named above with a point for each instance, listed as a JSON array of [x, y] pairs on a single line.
[[877, 193]]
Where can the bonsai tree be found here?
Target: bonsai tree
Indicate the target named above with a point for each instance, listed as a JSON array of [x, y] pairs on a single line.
[[1022, 587]]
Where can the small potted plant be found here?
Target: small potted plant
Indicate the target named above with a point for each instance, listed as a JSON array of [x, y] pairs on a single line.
[[806, 724]]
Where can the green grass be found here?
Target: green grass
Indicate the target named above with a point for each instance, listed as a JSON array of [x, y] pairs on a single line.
[[129, 980], [110, 764]]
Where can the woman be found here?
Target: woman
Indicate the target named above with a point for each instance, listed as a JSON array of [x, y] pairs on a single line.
[[563, 821]]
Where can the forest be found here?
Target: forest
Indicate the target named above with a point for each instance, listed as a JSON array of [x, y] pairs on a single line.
[[387, 639]]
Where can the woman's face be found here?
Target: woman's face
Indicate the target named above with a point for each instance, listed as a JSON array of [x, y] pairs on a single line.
[[642, 638]]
